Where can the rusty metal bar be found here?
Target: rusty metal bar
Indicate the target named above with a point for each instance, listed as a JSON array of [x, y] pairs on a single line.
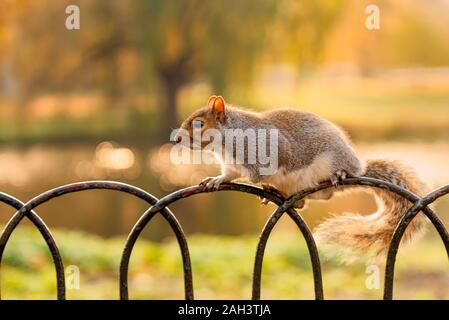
[[161, 206], [286, 207], [27, 208], [310, 242], [419, 205], [45, 232], [187, 192]]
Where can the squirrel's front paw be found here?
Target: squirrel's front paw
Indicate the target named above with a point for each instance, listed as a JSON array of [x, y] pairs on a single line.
[[213, 183]]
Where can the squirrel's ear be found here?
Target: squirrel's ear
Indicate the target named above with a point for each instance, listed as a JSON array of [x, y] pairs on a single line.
[[211, 100], [218, 107]]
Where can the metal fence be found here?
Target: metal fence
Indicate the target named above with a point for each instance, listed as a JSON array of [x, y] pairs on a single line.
[[160, 206]]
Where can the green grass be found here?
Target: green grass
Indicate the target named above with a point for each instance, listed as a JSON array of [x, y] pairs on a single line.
[[222, 268]]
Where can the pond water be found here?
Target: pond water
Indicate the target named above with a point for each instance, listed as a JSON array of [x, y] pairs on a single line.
[[26, 172]]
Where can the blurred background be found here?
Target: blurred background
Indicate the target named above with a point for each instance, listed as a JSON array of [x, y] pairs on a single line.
[[100, 102]]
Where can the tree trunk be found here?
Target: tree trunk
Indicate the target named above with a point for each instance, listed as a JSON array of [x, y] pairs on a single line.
[[173, 76], [170, 119]]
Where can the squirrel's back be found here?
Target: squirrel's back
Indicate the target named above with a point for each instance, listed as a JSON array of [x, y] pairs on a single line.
[[310, 135]]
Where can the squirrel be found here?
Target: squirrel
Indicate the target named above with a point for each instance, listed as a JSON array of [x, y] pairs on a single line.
[[312, 150]]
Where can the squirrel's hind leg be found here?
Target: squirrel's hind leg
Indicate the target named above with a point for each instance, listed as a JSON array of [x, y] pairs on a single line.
[[338, 176], [326, 194], [300, 204], [269, 188]]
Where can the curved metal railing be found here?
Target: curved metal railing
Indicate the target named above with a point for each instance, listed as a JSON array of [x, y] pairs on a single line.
[[417, 204]]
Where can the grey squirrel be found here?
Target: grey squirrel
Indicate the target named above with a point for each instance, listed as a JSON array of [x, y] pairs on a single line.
[[312, 150]]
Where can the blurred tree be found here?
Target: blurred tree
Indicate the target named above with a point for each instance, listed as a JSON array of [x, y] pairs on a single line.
[[422, 39], [176, 42], [302, 30], [411, 34], [23, 60], [218, 39], [109, 38], [125, 47]]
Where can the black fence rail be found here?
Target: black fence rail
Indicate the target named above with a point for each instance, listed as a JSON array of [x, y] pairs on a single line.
[[160, 206]]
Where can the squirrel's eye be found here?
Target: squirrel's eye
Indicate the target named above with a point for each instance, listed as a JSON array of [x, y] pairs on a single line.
[[198, 124]]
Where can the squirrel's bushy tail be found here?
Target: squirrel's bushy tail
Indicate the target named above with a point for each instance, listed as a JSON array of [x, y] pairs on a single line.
[[349, 235]]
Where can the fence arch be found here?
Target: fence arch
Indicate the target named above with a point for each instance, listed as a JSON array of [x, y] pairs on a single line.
[[311, 246], [418, 204], [27, 208], [367, 182], [190, 191], [45, 232]]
